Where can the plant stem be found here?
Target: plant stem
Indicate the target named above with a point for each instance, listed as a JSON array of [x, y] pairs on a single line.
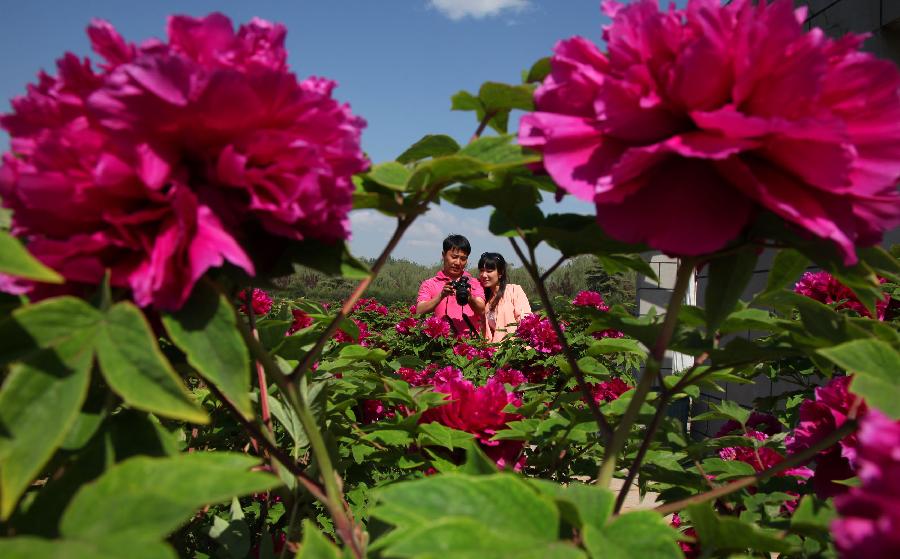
[[790, 462], [642, 451], [260, 371], [657, 353], [531, 266]]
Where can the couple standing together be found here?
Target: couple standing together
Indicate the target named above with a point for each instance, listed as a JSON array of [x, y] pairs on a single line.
[[489, 306]]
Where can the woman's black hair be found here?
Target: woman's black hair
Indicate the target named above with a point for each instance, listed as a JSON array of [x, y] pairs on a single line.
[[494, 261]]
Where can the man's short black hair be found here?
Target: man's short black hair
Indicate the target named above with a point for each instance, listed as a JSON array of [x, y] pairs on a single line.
[[458, 242]]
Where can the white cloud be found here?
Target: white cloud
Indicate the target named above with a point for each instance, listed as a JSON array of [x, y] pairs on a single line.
[[478, 9]]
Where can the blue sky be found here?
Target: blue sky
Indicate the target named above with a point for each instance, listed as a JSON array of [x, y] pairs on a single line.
[[397, 63]]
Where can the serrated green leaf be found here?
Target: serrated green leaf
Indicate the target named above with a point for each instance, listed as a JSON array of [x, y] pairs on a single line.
[[16, 261], [876, 369], [637, 535], [206, 330], [432, 145], [136, 369], [153, 496]]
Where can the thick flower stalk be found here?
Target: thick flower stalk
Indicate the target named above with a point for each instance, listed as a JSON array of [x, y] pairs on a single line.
[[722, 112], [173, 157]]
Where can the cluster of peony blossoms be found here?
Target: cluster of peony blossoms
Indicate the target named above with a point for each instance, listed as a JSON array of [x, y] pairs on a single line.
[[722, 112], [300, 320], [609, 390], [370, 305], [826, 289], [539, 334], [343, 337], [174, 157], [436, 327], [595, 300], [259, 301]]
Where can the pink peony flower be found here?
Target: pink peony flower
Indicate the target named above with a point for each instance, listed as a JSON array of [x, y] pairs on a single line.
[[825, 288], [412, 376], [342, 337], [479, 411], [721, 111], [539, 334], [691, 550], [301, 321], [261, 302], [510, 376], [174, 156], [436, 327], [609, 390], [370, 305], [406, 325], [820, 417], [376, 410], [869, 515], [590, 299]]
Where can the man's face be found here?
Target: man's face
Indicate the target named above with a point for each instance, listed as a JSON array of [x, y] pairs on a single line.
[[455, 262]]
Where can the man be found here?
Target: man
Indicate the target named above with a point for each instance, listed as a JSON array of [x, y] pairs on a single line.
[[438, 295]]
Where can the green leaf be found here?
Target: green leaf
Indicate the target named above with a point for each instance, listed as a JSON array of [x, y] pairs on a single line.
[[429, 146], [498, 151], [233, 536], [453, 515], [876, 369], [813, 517], [437, 434], [728, 276], [113, 547], [392, 175], [206, 330], [574, 234], [786, 269], [465, 101], [881, 261], [619, 263], [315, 545], [333, 259], [615, 345], [727, 533], [637, 535], [136, 369], [153, 496], [580, 505], [539, 70], [41, 396], [500, 96], [444, 171], [16, 261]]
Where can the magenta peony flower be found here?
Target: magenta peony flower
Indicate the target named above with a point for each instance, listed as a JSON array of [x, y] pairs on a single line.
[[301, 321], [825, 288], [539, 334], [262, 303], [479, 411], [406, 325], [173, 156], [590, 299], [869, 521], [721, 111], [609, 390], [436, 327], [412, 376], [510, 376], [376, 410], [819, 418], [370, 305]]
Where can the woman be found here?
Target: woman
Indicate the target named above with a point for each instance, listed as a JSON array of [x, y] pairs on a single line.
[[506, 303]]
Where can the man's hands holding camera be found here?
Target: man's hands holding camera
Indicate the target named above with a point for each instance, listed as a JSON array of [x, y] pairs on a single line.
[[461, 287]]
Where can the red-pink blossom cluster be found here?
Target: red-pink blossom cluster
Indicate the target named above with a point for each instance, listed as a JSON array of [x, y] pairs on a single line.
[[261, 302], [364, 333], [825, 288], [406, 325], [818, 419], [471, 352], [436, 327], [300, 321], [869, 521], [539, 334], [172, 158], [734, 107], [590, 299], [479, 411], [510, 376], [370, 305], [691, 550], [609, 390]]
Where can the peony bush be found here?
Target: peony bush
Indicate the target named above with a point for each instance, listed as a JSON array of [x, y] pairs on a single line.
[[160, 398]]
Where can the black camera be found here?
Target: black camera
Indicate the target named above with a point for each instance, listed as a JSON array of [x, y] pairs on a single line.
[[461, 288]]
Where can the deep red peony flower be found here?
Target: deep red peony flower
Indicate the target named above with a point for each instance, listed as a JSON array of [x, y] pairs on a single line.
[[436, 327], [479, 411], [510, 376], [869, 521], [539, 334], [261, 302], [370, 305], [301, 321], [345, 338], [590, 299], [609, 390], [825, 288], [406, 325], [171, 156], [721, 111]]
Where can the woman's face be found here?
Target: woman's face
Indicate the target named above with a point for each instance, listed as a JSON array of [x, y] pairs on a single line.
[[455, 262], [489, 278]]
